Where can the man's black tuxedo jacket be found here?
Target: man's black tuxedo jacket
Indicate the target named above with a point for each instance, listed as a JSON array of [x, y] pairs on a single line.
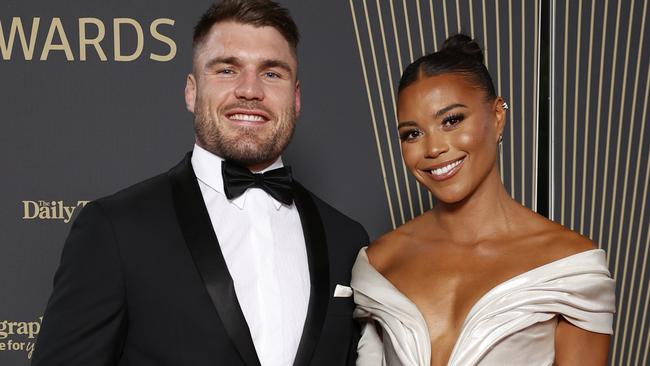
[[142, 282]]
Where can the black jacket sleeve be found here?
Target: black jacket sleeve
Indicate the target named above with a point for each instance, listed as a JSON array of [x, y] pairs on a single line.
[[85, 319], [356, 335]]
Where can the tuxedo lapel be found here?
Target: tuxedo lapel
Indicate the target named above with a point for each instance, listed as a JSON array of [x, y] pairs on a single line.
[[205, 250], [317, 256]]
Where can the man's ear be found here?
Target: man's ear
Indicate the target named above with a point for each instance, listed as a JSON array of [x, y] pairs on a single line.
[[298, 98], [190, 92]]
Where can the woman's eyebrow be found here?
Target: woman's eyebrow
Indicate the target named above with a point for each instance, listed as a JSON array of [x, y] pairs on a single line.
[[448, 108]]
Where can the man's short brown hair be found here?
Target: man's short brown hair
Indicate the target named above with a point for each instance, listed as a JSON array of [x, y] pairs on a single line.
[[258, 13]]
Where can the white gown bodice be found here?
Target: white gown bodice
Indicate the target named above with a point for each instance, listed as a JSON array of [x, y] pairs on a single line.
[[512, 324]]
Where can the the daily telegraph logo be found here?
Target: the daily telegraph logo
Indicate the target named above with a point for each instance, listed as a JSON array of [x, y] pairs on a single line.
[[27, 33], [19, 336], [51, 210]]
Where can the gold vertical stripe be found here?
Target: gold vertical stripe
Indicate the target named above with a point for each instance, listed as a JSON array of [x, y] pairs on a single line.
[[487, 48], [498, 52], [609, 124], [642, 225], [641, 221], [634, 193], [587, 123], [417, 3], [643, 319], [576, 92], [596, 159], [471, 18], [433, 26], [383, 111], [633, 123], [513, 105], [618, 150], [391, 87], [485, 41], [564, 88], [408, 32], [522, 98], [444, 11], [458, 17], [552, 90], [535, 106], [395, 35], [644, 313], [372, 114]]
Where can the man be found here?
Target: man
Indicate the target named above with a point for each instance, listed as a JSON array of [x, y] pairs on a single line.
[[210, 264]]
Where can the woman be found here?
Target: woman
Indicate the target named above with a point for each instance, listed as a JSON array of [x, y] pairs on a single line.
[[479, 279]]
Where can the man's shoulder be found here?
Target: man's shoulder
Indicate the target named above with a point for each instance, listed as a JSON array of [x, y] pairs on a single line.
[[148, 193], [144, 189]]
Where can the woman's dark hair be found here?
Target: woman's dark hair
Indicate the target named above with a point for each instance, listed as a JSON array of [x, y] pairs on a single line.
[[459, 54]]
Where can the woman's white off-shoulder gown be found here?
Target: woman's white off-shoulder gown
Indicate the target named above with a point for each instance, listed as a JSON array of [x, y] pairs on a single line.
[[512, 324]]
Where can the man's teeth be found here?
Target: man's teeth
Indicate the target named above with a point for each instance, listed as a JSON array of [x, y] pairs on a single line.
[[445, 169], [247, 117]]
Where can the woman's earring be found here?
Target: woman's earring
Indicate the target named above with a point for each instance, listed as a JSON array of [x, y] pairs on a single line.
[[505, 106], [500, 139]]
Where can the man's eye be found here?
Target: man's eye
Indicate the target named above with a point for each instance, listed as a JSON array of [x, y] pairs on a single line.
[[226, 72], [272, 75]]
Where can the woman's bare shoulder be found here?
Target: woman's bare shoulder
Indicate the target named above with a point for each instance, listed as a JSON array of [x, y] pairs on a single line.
[[558, 241], [384, 251]]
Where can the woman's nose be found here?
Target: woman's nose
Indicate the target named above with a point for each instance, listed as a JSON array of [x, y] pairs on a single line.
[[435, 145]]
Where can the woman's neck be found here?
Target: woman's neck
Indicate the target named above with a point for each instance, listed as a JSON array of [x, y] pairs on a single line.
[[485, 213]]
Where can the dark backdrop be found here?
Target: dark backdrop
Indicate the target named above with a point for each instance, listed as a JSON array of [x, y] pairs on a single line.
[[74, 130]]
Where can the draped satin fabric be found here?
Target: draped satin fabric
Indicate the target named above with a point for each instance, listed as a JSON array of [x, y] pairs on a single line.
[[512, 324]]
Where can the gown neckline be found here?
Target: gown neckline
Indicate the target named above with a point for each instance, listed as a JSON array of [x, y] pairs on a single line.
[[476, 304]]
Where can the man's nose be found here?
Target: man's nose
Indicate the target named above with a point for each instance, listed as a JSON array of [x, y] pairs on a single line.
[[249, 87]]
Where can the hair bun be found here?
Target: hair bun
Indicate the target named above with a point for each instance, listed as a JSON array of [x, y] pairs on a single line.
[[465, 45]]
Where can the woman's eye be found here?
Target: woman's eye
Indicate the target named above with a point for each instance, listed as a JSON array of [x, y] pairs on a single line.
[[451, 121], [410, 135]]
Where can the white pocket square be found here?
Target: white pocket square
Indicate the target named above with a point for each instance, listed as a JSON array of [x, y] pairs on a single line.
[[342, 291]]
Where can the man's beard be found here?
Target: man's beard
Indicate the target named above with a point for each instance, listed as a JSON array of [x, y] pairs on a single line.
[[243, 144]]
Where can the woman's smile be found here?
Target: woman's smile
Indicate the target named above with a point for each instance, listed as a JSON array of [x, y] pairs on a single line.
[[446, 170]]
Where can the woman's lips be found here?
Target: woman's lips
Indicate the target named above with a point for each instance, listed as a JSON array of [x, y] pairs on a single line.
[[446, 170]]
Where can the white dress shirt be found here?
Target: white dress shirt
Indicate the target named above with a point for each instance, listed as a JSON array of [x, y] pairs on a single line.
[[263, 244]]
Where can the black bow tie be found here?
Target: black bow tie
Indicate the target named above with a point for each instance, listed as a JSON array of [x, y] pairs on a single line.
[[237, 179]]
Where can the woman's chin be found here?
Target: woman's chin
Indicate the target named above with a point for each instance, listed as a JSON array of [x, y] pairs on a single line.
[[449, 201], [450, 197]]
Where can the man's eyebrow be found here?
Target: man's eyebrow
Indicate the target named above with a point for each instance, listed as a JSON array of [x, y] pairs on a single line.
[[448, 108], [406, 124], [277, 63], [265, 64], [231, 60]]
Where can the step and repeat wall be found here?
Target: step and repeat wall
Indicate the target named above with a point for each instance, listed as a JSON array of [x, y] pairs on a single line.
[[91, 101]]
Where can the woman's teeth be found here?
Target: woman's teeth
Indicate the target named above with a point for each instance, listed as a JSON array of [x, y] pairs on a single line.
[[445, 169]]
